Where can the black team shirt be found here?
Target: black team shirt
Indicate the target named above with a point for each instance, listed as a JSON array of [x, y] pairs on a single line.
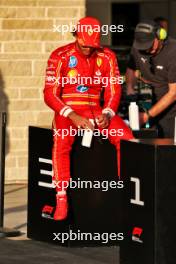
[[159, 70]]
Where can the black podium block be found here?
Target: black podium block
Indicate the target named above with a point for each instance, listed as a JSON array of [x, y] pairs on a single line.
[[90, 210], [95, 210], [149, 211]]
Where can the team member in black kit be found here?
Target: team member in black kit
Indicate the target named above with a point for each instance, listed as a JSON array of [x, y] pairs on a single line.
[[154, 55]]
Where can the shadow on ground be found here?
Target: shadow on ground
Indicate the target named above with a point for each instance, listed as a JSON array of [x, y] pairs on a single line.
[[35, 252]]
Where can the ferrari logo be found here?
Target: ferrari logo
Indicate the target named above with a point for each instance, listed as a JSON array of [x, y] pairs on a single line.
[[90, 32], [99, 62]]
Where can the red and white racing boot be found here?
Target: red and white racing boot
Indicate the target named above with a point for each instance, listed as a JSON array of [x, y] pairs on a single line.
[[61, 206]]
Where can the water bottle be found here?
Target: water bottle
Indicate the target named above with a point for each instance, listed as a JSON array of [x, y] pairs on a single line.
[[87, 137], [134, 116]]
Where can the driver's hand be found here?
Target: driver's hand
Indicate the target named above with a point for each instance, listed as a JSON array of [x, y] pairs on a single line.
[[103, 120], [80, 122]]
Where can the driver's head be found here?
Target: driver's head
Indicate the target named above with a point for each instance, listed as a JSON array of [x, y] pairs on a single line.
[[148, 37], [88, 34]]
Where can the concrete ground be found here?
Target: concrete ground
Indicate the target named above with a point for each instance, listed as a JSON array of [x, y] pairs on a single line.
[[21, 249]]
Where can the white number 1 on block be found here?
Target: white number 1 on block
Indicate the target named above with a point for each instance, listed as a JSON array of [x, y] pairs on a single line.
[[137, 200]]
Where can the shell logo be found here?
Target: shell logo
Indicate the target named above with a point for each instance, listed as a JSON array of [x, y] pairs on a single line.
[[72, 73]]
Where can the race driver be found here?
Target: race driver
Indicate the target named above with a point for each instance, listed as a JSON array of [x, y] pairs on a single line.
[[74, 104]]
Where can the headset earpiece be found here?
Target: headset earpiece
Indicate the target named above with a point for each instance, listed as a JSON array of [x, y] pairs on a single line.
[[161, 33]]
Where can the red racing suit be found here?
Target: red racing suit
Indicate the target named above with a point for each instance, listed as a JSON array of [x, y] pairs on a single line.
[[82, 96]]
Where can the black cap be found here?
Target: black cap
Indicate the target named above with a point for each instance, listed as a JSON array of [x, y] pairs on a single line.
[[145, 33]]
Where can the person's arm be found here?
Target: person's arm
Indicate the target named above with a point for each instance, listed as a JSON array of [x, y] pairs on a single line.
[[53, 86], [170, 97], [130, 75], [52, 91], [112, 91], [161, 105], [130, 81]]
